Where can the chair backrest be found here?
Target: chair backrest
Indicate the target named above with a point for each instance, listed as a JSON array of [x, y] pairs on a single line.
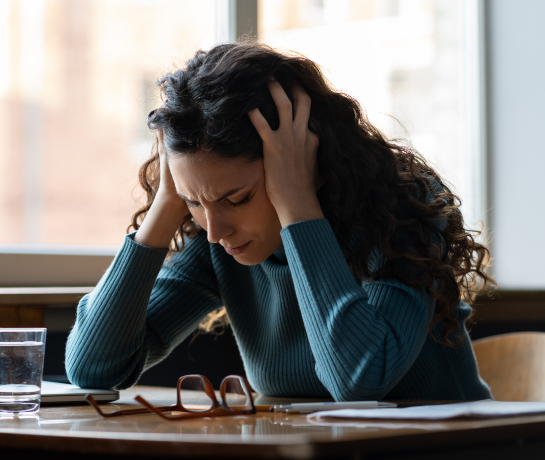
[[513, 365]]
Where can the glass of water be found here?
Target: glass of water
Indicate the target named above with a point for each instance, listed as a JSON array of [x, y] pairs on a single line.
[[21, 367]]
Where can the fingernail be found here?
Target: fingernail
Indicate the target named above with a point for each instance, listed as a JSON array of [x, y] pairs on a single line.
[[271, 78]]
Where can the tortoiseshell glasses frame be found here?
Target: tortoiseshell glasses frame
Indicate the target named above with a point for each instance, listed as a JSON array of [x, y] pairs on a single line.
[[216, 408]]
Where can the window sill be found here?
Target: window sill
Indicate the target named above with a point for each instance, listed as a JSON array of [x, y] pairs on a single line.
[[510, 306]]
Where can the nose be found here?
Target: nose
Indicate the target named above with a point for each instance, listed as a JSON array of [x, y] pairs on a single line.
[[217, 226]]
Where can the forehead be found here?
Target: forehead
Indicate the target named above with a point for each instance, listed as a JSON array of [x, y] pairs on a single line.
[[208, 175]]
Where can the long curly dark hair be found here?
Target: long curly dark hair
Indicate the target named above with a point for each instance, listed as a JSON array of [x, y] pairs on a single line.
[[378, 189]]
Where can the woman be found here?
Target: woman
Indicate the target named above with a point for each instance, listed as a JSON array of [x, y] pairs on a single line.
[[341, 257]]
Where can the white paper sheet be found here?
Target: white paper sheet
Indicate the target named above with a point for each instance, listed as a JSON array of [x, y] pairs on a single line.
[[377, 424], [477, 409]]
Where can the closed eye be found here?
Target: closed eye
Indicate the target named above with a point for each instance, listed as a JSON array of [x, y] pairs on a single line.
[[196, 204], [240, 203], [192, 204]]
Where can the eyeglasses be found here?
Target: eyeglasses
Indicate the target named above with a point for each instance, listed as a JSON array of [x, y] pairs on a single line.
[[234, 389]]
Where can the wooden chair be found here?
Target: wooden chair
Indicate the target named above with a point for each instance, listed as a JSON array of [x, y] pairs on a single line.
[[513, 365]]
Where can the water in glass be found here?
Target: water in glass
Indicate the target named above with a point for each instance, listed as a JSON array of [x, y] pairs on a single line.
[[21, 365]]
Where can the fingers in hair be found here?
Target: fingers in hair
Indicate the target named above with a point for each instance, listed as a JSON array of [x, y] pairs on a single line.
[[260, 123], [282, 102], [302, 105]]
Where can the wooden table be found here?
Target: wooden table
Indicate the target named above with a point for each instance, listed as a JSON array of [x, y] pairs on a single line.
[[79, 429]]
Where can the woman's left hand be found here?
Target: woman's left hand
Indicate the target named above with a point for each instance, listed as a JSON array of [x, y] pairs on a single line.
[[289, 157]]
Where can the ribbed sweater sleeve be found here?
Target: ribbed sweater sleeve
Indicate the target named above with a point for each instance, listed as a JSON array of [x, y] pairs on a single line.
[[364, 336], [139, 312]]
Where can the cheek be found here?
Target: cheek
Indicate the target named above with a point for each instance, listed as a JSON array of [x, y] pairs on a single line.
[[262, 216], [264, 207], [199, 217]]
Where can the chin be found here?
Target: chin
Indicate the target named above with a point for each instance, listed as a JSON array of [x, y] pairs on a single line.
[[254, 257], [249, 259]]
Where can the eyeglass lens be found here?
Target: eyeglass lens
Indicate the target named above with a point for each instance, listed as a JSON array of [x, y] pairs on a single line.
[[195, 383], [235, 393]]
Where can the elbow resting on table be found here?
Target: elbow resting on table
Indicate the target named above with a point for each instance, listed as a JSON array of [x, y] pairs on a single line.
[[87, 369], [361, 384], [358, 392]]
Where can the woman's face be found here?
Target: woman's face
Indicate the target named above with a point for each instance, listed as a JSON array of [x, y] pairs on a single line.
[[227, 197]]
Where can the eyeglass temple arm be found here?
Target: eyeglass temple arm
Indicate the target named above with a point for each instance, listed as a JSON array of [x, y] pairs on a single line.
[[117, 413], [158, 410]]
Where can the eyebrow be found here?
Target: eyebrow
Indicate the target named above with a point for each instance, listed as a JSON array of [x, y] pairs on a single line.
[[225, 195]]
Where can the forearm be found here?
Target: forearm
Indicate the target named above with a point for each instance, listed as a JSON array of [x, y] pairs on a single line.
[[363, 340], [139, 312], [106, 343]]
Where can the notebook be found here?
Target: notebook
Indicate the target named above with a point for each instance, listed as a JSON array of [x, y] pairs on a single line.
[[475, 410], [53, 392]]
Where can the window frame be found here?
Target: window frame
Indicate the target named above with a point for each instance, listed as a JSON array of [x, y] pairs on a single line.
[[69, 266], [78, 266]]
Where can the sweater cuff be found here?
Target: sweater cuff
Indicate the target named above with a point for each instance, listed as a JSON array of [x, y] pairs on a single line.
[[143, 254], [129, 240]]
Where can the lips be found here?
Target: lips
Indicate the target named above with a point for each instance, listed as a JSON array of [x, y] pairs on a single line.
[[238, 250]]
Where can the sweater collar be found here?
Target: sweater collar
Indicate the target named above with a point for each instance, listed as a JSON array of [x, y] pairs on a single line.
[[280, 254]]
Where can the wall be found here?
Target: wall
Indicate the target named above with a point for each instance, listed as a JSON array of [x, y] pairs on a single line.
[[516, 120]]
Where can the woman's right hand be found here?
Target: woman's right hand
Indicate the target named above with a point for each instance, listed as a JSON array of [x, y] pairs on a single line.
[[167, 189], [167, 211]]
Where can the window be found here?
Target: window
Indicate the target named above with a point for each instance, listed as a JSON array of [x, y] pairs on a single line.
[[76, 83], [414, 60]]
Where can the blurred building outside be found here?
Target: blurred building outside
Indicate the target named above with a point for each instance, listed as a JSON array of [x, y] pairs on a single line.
[[412, 65], [77, 81], [76, 84]]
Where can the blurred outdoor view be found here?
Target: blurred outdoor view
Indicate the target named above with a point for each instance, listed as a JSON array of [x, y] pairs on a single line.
[[76, 84], [412, 65], [77, 81]]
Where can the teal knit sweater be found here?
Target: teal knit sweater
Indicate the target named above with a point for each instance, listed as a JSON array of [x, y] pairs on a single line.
[[304, 325]]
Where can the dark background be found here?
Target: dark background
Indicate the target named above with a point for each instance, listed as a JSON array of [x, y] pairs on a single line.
[[217, 356]]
